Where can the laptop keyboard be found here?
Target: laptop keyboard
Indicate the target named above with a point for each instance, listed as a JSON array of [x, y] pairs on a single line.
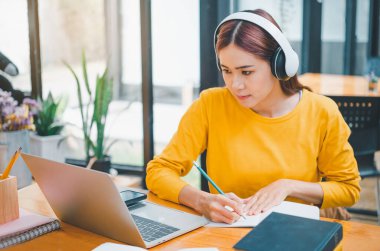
[[152, 230]]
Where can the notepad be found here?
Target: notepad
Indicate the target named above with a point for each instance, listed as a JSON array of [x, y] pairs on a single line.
[[286, 207], [109, 246], [28, 226]]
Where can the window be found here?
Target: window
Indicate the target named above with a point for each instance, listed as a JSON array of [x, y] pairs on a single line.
[[14, 41], [66, 28], [176, 67], [362, 24], [333, 36], [130, 133], [175, 63]]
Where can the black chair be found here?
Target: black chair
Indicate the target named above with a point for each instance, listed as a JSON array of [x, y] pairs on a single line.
[[362, 116]]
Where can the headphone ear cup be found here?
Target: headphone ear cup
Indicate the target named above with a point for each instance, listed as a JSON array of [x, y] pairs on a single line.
[[277, 64]]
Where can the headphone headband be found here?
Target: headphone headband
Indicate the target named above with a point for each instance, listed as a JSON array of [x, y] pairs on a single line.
[[291, 58]]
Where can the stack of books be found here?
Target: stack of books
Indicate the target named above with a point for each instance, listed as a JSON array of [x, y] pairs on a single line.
[[28, 226]]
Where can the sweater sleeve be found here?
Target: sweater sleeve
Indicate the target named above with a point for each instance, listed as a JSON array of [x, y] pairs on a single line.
[[337, 164], [164, 171]]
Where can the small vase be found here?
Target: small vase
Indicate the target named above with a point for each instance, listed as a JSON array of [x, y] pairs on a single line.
[[102, 165], [46, 147], [10, 142]]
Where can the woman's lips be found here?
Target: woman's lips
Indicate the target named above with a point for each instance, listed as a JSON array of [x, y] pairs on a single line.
[[243, 97]]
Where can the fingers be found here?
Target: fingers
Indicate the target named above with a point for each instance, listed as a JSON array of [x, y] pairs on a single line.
[[234, 197], [263, 203], [249, 202], [265, 198], [223, 209], [232, 203], [257, 206], [260, 203], [230, 207], [229, 218], [267, 207], [220, 213]]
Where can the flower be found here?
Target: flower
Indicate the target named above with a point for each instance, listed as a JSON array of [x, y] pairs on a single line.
[[15, 117]]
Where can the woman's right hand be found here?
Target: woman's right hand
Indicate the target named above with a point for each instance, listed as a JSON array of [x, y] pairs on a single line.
[[213, 206], [217, 207]]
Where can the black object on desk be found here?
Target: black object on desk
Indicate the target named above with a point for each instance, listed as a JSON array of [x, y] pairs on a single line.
[[131, 197], [285, 232]]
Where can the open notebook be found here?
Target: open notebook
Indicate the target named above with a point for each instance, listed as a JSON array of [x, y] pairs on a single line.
[[286, 207]]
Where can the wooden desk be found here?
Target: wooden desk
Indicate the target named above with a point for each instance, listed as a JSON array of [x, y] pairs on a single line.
[[356, 236], [338, 85]]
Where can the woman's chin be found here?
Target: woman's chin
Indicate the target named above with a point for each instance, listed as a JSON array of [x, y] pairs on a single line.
[[247, 104], [247, 101]]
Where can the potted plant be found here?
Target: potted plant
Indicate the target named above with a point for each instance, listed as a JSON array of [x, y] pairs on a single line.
[[94, 114], [45, 141], [16, 120]]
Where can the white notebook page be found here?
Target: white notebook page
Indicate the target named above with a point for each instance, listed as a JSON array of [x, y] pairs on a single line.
[[286, 207]]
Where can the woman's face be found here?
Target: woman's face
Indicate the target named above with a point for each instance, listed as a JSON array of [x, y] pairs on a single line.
[[248, 77]]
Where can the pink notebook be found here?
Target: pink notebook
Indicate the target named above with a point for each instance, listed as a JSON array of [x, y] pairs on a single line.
[[28, 226]]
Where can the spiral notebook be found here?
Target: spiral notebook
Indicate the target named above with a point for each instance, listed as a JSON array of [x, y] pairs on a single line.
[[27, 227]]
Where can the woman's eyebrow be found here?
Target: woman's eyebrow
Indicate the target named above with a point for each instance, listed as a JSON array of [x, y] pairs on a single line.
[[244, 66], [240, 67]]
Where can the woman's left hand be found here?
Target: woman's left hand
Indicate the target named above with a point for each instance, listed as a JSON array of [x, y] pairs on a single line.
[[267, 197]]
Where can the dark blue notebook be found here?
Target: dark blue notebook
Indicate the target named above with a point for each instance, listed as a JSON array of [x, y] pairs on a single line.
[[285, 232]]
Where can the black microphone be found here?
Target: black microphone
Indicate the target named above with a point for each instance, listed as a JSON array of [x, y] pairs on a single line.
[[7, 66]]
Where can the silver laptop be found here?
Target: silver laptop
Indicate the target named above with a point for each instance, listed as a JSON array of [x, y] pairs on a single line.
[[90, 200]]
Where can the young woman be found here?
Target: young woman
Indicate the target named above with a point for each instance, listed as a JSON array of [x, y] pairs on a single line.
[[268, 138]]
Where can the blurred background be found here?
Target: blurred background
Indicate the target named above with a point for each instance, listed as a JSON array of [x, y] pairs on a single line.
[[160, 56]]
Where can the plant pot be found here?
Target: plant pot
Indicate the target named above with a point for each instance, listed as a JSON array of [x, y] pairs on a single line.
[[46, 147], [10, 142], [102, 165]]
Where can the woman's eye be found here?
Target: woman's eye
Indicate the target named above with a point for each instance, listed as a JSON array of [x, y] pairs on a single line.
[[246, 73], [225, 71]]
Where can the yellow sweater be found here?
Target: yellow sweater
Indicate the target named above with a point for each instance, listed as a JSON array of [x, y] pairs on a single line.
[[246, 151]]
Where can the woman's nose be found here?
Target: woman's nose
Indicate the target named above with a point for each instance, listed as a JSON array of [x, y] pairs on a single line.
[[237, 83]]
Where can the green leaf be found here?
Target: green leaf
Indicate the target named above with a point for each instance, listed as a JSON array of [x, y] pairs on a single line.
[[85, 75], [101, 101], [86, 137], [47, 116]]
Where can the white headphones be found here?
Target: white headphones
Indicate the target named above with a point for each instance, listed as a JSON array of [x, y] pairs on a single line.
[[284, 62]]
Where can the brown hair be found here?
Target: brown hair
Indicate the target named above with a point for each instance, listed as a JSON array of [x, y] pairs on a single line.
[[255, 40]]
